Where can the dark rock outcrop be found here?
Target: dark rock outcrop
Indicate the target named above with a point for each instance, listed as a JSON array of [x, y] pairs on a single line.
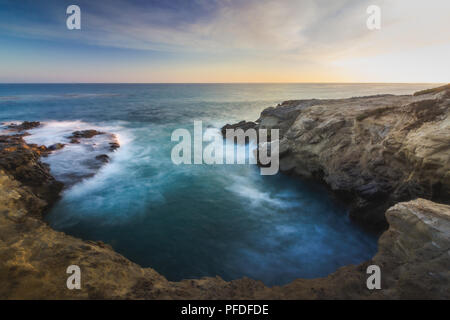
[[113, 146], [103, 158], [244, 125], [26, 125], [86, 134], [56, 146]]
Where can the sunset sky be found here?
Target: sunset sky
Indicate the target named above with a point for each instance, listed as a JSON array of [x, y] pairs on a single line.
[[225, 41]]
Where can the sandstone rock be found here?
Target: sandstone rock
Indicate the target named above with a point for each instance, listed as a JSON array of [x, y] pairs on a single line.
[[413, 257], [414, 252], [21, 162], [373, 151], [375, 148]]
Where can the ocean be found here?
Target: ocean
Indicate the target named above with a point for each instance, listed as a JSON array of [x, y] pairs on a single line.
[[189, 221]]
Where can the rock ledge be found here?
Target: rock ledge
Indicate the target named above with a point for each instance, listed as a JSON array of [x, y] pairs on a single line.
[[388, 146]]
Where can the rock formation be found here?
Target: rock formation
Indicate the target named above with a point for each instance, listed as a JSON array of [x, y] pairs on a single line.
[[413, 256], [378, 149], [84, 134], [244, 125], [373, 151], [26, 125], [56, 146], [20, 161]]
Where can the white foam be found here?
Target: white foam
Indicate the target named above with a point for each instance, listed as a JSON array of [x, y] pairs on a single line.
[[75, 161], [245, 188]]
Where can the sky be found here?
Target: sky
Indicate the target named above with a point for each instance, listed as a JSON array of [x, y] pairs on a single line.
[[169, 41]]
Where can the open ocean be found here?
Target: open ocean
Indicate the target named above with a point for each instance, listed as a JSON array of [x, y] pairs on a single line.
[[190, 221]]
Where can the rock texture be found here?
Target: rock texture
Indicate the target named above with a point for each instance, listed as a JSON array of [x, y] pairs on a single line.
[[26, 125], [375, 148], [415, 252], [84, 134], [20, 161], [244, 125], [413, 256], [374, 151]]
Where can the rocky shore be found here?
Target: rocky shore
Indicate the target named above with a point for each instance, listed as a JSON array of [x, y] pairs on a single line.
[[380, 152], [372, 151]]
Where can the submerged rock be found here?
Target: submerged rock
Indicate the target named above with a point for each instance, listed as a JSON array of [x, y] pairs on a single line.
[[90, 156], [103, 158], [56, 146], [86, 134], [114, 146], [93, 151]]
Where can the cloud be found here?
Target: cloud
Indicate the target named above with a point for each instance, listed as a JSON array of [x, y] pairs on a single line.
[[304, 34]]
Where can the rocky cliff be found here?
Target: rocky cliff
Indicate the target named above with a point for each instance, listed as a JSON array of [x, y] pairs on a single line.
[[408, 134], [373, 151]]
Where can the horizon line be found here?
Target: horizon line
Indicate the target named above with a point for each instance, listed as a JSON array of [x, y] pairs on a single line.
[[237, 82]]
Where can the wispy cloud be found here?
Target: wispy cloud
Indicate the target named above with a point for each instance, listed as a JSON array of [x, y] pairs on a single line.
[[319, 33]]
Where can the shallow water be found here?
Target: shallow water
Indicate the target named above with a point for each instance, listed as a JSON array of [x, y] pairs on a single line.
[[189, 221]]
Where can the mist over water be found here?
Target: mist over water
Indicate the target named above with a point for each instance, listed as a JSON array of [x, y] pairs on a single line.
[[189, 221]]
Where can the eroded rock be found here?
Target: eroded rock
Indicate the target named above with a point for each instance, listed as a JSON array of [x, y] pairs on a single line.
[[373, 151], [103, 158], [113, 146], [380, 140], [56, 146], [414, 252], [244, 125], [21, 161], [26, 125], [86, 134]]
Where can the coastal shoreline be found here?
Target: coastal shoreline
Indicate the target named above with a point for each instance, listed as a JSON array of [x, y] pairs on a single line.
[[34, 257], [371, 152]]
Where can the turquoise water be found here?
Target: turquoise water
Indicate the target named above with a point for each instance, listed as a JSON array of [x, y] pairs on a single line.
[[189, 221]]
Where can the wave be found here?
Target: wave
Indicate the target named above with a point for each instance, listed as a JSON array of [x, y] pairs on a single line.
[[9, 98], [76, 161]]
